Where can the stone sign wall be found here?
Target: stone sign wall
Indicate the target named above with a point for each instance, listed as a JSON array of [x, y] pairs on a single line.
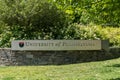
[[44, 52], [12, 58]]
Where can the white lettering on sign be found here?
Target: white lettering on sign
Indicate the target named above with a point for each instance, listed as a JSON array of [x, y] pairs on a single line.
[[56, 45]]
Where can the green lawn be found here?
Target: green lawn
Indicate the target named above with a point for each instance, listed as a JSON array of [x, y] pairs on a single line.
[[102, 70]]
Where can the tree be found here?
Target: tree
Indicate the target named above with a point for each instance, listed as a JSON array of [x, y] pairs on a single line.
[[32, 19], [95, 11]]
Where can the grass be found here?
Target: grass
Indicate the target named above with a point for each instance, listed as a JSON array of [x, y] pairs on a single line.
[[101, 70]]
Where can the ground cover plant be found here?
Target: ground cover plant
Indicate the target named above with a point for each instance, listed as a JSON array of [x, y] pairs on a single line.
[[102, 70]]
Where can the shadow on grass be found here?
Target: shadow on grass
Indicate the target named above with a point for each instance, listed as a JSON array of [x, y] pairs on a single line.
[[8, 78], [115, 79], [115, 65]]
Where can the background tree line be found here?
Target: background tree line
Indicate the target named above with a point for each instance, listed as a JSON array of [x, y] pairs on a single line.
[[54, 19]]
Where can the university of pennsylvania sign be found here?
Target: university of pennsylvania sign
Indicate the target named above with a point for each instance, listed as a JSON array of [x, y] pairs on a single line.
[[45, 45]]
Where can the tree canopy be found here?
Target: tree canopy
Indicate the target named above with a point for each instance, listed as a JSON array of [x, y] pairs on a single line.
[[95, 11]]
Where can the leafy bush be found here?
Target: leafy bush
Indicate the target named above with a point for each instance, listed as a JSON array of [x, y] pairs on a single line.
[[5, 35], [113, 34], [39, 19], [30, 19], [76, 31], [93, 32]]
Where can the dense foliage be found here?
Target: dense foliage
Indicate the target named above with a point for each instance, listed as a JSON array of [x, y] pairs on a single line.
[[31, 19], [58, 19], [104, 12], [93, 32]]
